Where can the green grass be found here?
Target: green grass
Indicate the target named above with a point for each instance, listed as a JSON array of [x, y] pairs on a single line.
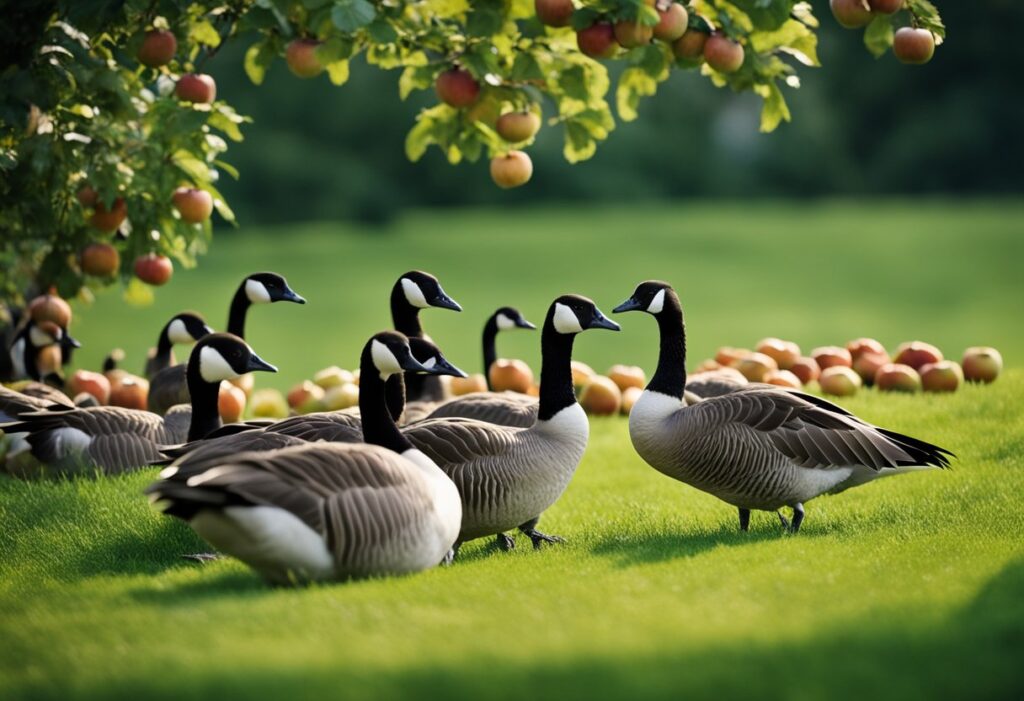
[[908, 588]]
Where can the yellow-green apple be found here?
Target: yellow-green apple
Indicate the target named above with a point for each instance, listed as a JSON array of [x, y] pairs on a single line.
[[600, 396], [516, 127], [341, 397], [839, 381], [897, 377], [268, 404], [303, 394], [332, 376], [632, 34], [982, 364]]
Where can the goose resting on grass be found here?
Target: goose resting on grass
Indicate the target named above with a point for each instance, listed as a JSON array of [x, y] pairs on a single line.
[[757, 447]]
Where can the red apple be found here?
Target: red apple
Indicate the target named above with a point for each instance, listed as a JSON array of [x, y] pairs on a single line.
[[707, 366], [896, 377], [729, 356], [885, 7], [302, 59], [581, 373], [87, 196], [511, 170], [982, 364], [601, 397], [690, 46], [90, 382], [554, 13], [629, 397], [864, 345], [158, 48], [597, 40], [723, 54], [756, 366], [511, 376], [50, 307], [631, 34], [130, 392], [830, 356], [468, 385], [109, 220], [671, 22], [303, 393], [867, 364], [783, 378], [193, 205], [626, 376], [457, 87], [851, 14], [153, 269], [913, 46], [230, 403], [785, 353], [917, 354], [806, 369], [515, 127], [839, 381], [943, 376], [193, 87], [100, 259]]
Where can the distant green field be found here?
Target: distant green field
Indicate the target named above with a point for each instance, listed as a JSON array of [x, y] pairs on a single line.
[[910, 588], [814, 273]]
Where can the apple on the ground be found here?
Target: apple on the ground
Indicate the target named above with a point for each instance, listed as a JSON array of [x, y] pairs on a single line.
[[897, 377], [629, 397], [511, 375], [867, 364], [943, 376], [230, 403], [93, 383], [269, 404], [468, 385], [756, 366], [783, 378], [982, 364], [600, 396], [625, 376], [785, 353], [917, 354], [831, 356], [839, 381]]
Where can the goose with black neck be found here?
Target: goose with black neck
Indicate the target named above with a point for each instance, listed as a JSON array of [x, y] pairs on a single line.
[[413, 291], [759, 447], [182, 329]]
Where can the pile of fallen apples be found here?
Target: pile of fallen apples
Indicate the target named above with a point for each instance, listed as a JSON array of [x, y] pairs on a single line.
[[841, 371]]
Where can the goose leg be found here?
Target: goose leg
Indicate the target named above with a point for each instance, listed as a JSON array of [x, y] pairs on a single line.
[[505, 542], [782, 519], [452, 554], [744, 519], [529, 529], [798, 517]]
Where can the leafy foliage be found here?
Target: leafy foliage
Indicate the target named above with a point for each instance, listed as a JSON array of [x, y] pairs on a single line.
[[78, 108]]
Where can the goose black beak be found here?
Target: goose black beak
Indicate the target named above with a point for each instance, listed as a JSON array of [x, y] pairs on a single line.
[[630, 305], [72, 342], [443, 367], [258, 364], [443, 301], [290, 295], [600, 321], [524, 324]]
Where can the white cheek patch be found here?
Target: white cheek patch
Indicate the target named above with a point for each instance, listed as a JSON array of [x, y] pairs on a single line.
[[40, 338], [504, 323], [256, 292], [384, 360], [413, 294], [565, 320], [213, 367], [658, 303], [177, 332]]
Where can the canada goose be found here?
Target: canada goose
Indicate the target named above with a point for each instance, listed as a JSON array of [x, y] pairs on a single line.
[[412, 292], [504, 408], [30, 396], [185, 329], [508, 476], [115, 439], [333, 426], [327, 511], [168, 387], [759, 446], [32, 338]]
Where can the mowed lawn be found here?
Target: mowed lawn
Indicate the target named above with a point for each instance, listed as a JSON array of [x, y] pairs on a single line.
[[908, 588]]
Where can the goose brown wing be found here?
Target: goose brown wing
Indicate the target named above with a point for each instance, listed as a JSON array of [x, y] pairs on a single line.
[[502, 408], [168, 388]]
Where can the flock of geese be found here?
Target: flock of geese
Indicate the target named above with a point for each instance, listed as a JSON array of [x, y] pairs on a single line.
[[399, 483]]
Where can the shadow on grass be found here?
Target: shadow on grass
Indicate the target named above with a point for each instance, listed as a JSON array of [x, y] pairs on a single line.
[[233, 585], [974, 653]]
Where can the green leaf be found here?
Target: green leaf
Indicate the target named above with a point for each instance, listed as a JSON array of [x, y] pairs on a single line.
[[926, 16], [382, 32], [419, 138], [137, 293], [526, 67], [415, 78], [487, 17], [352, 15], [579, 144], [202, 32], [775, 109], [634, 83], [337, 72], [573, 82], [257, 59], [766, 14], [878, 35]]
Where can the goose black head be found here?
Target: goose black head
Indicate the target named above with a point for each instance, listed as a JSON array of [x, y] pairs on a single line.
[[509, 318], [389, 353], [264, 288], [430, 357], [187, 328], [571, 314], [223, 356], [48, 333], [422, 290], [648, 297]]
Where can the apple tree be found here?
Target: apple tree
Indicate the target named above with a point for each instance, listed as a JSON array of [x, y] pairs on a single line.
[[113, 140]]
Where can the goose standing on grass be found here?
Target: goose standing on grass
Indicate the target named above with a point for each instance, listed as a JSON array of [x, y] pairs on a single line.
[[183, 329], [114, 439], [327, 511], [168, 387], [504, 408], [758, 447], [412, 292], [509, 476]]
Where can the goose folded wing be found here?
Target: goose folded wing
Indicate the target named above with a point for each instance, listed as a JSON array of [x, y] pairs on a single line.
[[334, 427], [506, 409]]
